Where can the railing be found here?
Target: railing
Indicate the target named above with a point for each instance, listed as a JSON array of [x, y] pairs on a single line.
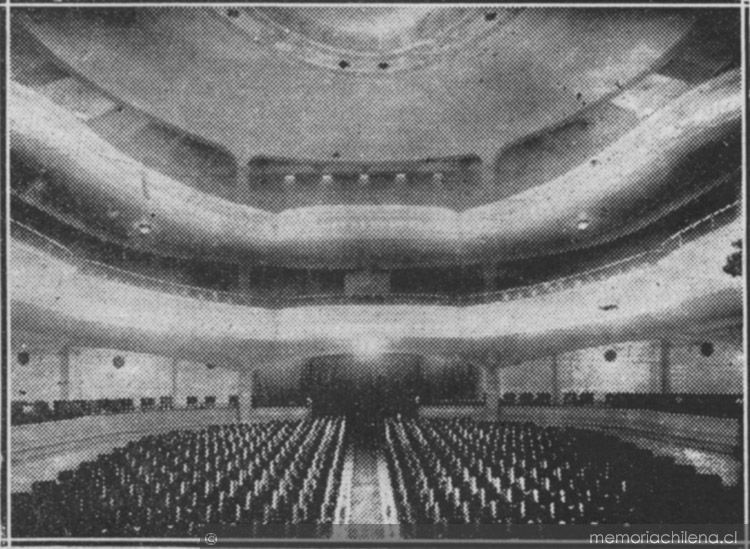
[[87, 266]]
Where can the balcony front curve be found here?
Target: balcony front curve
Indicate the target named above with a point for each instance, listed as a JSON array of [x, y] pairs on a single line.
[[684, 290], [674, 155]]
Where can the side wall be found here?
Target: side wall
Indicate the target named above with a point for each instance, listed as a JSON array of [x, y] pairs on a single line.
[[637, 369], [92, 375]]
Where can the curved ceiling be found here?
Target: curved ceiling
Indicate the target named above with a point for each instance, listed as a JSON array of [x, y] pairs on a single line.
[[469, 135], [672, 156], [249, 87]]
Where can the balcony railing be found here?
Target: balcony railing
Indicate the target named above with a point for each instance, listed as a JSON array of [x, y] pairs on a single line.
[[90, 267]]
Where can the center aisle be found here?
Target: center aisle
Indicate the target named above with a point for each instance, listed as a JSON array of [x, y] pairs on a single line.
[[372, 512], [388, 513], [365, 517]]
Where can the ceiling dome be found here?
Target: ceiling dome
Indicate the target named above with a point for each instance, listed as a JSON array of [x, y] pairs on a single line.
[[382, 30]]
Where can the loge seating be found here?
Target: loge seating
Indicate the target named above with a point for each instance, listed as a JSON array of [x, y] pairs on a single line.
[[169, 485], [39, 411], [448, 472], [684, 403], [717, 405]]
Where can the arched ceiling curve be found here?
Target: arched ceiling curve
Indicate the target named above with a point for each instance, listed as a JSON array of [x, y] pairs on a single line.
[[671, 157], [246, 85], [521, 71]]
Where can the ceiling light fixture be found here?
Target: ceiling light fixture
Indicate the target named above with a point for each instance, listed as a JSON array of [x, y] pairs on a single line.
[[144, 227]]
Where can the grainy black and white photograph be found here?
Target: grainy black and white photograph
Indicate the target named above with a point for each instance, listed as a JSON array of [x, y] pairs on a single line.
[[368, 274]]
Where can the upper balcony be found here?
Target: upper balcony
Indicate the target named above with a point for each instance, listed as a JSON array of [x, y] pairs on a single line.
[[277, 293], [678, 290], [446, 137]]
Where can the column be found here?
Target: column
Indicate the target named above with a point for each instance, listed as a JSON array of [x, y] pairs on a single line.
[[64, 355], [555, 381], [246, 395], [665, 385], [173, 391]]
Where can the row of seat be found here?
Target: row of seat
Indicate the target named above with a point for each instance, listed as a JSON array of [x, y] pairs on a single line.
[[462, 472], [39, 411], [174, 483], [570, 398], [289, 297], [718, 405]]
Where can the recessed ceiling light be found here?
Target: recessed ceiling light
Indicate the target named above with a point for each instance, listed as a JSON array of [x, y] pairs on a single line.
[[144, 227], [583, 223]]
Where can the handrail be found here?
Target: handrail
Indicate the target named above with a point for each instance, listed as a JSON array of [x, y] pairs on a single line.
[[540, 288]]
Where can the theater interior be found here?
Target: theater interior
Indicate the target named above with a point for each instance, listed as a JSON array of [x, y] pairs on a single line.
[[389, 273]]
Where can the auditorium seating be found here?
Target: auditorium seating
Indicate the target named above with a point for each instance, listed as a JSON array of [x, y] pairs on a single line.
[[457, 471], [477, 402], [39, 411], [443, 472], [43, 232], [280, 472], [23, 412], [716, 405]]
